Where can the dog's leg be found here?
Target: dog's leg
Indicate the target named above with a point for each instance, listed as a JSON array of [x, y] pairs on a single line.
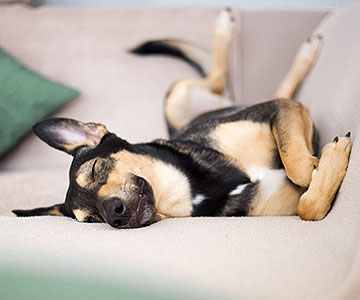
[[293, 132], [189, 98], [315, 203], [303, 61], [222, 37]]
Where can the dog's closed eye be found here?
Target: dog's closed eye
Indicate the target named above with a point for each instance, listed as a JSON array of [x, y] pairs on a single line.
[[93, 170]]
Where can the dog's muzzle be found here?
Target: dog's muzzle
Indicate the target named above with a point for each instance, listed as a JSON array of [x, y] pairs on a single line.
[[133, 214]]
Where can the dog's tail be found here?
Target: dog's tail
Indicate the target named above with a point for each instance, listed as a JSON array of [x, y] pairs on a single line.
[[198, 58]]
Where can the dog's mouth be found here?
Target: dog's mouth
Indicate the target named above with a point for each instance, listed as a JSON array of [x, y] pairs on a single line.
[[143, 216], [139, 212], [144, 211]]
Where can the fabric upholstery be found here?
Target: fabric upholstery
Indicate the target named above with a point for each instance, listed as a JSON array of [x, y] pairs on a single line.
[[268, 48]]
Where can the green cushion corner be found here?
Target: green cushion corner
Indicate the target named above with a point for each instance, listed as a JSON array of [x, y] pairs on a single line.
[[26, 97]]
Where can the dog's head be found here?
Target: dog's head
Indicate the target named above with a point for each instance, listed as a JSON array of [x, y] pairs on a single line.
[[105, 185]]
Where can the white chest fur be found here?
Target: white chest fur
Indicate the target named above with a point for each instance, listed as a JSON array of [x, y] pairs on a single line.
[[276, 195], [270, 180]]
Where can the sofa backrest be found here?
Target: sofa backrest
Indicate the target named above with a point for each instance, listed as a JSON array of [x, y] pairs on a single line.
[[267, 42], [332, 89], [126, 92]]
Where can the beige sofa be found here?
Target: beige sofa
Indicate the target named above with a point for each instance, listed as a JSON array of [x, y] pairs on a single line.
[[246, 258]]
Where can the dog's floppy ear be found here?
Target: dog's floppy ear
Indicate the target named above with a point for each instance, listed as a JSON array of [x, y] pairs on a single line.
[[68, 134], [55, 210]]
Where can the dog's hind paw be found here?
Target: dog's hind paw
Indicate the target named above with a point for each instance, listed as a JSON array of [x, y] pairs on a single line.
[[225, 22], [310, 49], [326, 180]]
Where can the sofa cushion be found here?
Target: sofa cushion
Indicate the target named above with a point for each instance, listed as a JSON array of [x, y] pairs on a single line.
[[26, 98]]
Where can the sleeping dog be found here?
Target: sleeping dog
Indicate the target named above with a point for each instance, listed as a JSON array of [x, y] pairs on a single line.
[[220, 160]]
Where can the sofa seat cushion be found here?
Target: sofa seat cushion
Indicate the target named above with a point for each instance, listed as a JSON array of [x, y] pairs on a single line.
[[250, 257]]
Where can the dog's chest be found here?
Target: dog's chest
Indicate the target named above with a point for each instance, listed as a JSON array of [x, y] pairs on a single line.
[[247, 143], [253, 149]]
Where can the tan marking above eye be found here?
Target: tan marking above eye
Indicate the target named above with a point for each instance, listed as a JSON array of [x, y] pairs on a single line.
[[83, 175]]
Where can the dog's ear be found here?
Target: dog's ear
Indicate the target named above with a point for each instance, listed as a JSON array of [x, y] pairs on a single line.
[[55, 210], [68, 134]]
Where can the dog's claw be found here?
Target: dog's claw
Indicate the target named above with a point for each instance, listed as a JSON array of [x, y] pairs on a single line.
[[336, 139], [316, 36], [348, 134]]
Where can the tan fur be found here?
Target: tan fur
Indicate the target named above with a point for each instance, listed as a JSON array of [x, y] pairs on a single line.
[[222, 37], [171, 188], [190, 98], [282, 203], [302, 64], [119, 178], [55, 212], [82, 175], [80, 215], [316, 202], [203, 94], [247, 142], [73, 146], [292, 130]]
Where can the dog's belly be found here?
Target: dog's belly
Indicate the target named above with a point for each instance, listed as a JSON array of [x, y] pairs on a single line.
[[253, 149], [247, 143], [276, 195]]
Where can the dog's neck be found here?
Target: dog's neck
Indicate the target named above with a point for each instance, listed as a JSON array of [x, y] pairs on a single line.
[[171, 188], [182, 175]]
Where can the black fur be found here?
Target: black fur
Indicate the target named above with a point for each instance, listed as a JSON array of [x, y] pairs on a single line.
[[209, 172], [199, 128], [42, 211], [162, 47]]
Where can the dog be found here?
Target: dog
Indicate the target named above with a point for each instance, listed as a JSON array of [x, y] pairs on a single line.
[[220, 160]]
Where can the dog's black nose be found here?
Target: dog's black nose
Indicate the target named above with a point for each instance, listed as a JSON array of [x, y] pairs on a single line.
[[117, 213]]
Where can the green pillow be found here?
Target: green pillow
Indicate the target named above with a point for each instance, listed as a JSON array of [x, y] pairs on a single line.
[[25, 98]]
